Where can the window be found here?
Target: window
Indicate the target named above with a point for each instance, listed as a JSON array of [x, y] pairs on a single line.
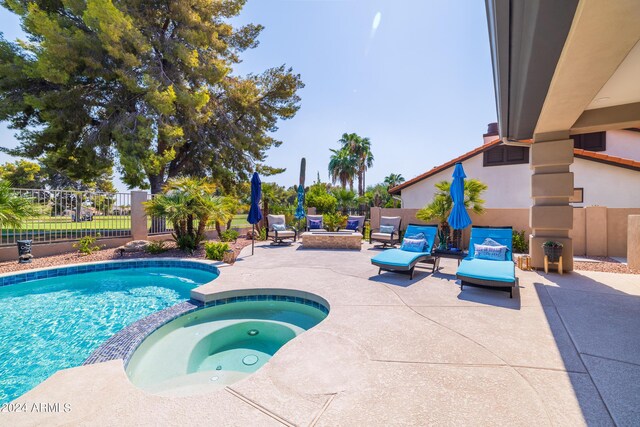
[[590, 141], [506, 155], [578, 196]]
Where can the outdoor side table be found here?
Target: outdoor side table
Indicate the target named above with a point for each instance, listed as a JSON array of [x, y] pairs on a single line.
[[459, 255]]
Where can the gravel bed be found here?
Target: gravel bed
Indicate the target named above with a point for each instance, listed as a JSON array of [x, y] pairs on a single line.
[[605, 264], [109, 254]]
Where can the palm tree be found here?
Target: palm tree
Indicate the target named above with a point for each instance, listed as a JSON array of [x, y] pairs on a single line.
[[441, 205], [14, 209], [190, 205], [346, 199], [360, 149], [393, 180], [342, 167]]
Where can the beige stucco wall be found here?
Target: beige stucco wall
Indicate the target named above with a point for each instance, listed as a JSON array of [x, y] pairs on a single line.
[[606, 185], [596, 231], [617, 225], [8, 253]]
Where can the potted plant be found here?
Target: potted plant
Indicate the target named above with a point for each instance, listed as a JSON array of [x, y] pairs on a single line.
[[553, 250]]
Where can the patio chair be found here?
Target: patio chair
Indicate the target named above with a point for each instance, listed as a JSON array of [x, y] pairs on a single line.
[[315, 218], [278, 231], [359, 227], [476, 270], [389, 231], [403, 260]]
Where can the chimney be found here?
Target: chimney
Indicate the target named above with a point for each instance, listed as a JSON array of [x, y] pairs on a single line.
[[492, 133]]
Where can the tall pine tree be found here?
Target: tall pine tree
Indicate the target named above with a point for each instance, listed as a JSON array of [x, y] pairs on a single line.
[[144, 85]]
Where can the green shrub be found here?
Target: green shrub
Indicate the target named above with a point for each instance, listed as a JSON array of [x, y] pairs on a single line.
[[319, 197], [156, 247], [186, 242], [520, 242], [215, 250], [262, 234], [229, 235], [87, 245], [334, 221]]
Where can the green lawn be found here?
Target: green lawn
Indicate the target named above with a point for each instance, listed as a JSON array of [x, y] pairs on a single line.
[[98, 223], [240, 221]]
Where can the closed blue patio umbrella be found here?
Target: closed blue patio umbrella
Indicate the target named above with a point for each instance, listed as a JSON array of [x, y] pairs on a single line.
[[458, 218], [300, 208], [255, 214]]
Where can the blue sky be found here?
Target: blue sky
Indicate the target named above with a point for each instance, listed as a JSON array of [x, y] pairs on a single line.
[[419, 85]]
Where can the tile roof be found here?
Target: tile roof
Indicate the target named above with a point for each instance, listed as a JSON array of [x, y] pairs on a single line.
[[444, 166], [605, 158], [581, 154]]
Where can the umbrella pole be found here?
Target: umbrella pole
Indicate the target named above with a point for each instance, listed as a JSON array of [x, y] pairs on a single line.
[[253, 237]]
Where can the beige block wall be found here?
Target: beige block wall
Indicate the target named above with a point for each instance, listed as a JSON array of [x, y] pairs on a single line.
[[617, 225], [597, 231], [578, 233], [9, 253]]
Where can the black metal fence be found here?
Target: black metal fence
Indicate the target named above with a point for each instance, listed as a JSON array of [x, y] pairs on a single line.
[[65, 215]]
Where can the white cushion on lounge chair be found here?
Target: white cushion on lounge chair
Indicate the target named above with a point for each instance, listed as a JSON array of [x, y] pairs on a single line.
[[287, 233], [383, 236]]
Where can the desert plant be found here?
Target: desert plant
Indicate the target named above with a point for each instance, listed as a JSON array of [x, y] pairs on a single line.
[[262, 235], [552, 244], [87, 244], [441, 205], [520, 243], [156, 247], [189, 204], [333, 221], [229, 235], [14, 209], [215, 250]]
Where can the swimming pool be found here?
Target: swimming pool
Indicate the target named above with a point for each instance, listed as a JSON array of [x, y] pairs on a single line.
[[54, 319], [217, 346]]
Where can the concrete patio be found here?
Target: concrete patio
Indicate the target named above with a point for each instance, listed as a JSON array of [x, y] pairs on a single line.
[[564, 351]]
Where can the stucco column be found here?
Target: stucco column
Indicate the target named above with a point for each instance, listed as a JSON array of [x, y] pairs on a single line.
[[139, 227], [551, 216], [633, 242]]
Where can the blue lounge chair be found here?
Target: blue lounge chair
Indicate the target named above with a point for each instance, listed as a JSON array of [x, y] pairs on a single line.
[[399, 261], [500, 275]]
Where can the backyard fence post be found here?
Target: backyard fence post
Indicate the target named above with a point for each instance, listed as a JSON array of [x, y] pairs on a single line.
[[139, 227], [633, 242]]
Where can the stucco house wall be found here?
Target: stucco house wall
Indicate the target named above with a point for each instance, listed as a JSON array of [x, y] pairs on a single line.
[[510, 186], [623, 143]]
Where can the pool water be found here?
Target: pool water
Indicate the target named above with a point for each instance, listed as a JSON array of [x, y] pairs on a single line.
[[217, 346], [55, 323]]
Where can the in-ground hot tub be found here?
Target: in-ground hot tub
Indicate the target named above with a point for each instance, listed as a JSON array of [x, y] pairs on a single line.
[[220, 345]]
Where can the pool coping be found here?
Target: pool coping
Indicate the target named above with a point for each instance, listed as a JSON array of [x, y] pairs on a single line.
[[124, 343], [12, 278]]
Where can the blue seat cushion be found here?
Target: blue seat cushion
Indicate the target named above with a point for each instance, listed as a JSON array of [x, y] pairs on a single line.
[[483, 269], [397, 257]]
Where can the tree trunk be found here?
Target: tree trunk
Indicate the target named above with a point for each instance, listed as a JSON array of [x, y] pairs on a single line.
[[156, 183]]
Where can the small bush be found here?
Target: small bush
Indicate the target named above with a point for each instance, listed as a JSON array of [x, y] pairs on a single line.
[[366, 230], [334, 221], [186, 242], [229, 235], [520, 242], [87, 245], [215, 250], [156, 247], [262, 235]]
